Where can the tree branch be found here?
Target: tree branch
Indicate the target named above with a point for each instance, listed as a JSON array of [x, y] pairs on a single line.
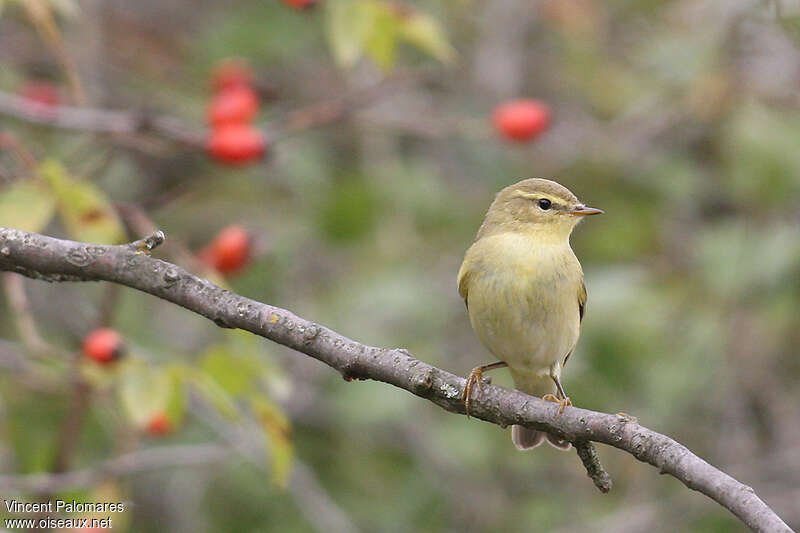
[[130, 463], [26, 325], [50, 259], [246, 439], [142, 121], [101, 120]]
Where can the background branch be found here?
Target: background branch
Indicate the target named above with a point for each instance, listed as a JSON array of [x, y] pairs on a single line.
[[247, 441], [50, 259], [18, 301], [100, 120], [129, 463], [143, 121]]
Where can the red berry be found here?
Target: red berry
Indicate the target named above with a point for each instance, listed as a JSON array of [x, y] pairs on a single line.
[[236, 105], [236, 144], [159, 424], [41, 97], [230, 73], [521, 120], [300, 4], [229, 252], [103, 346], [40, 92]]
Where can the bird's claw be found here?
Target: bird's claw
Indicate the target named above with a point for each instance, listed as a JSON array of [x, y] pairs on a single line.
[[563, 403], [473, 382]]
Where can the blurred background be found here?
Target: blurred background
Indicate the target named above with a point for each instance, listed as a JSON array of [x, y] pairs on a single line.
[[344, 180]]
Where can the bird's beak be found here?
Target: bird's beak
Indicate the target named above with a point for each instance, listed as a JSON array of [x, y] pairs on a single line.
[[581, 210]]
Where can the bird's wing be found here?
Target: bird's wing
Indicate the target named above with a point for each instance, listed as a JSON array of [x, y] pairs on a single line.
[[463, 282], [581, 309]]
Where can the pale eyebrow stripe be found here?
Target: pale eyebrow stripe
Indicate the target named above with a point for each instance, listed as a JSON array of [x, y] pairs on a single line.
[[530, 195], [556, 203]]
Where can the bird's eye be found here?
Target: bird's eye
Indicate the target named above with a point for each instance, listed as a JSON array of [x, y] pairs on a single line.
[[544, 204]]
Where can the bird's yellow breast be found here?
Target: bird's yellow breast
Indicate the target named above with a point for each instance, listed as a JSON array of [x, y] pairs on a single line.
[[522, 298]]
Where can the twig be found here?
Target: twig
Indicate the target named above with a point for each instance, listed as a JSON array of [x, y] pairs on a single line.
[[315, 502], [50, 259], [311, 497], [9, 142], [73, 422], [128, 122], [323, 113], [14, 359], [137, 222], [41, 15], [18, 302], [588, 456], [130, 463], [101, 120], [108, 305]]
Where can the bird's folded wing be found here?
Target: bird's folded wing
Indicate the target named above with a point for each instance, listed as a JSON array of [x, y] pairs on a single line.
[[463, 282], [581, 300]]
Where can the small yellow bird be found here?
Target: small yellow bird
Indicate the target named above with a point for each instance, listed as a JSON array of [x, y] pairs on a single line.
[[524, 291]]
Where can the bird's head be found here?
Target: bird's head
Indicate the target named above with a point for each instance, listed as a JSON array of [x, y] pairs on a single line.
[[535, 205]]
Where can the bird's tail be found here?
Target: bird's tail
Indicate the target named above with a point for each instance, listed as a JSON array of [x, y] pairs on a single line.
[[526, 438]]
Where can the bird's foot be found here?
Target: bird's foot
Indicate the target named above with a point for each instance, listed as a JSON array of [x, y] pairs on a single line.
[[474, 381], [562, 403]]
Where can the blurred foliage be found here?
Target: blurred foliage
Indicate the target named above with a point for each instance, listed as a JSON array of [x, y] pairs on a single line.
[[680, 119], [26, 205], [87, 214], [375, 28]]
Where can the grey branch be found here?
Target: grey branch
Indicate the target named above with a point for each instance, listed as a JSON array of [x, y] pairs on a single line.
[[246, 439], [152, 459], [50, 259], [143, 121], [101, 120]]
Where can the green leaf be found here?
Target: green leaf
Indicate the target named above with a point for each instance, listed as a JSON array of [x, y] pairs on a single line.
[[279, 435], [425, 33], [375, 27], [27, 430], [26, 205], [349, 25], [231, 372], [144, 391], [215, 395], [238, 367], [262, 370], [84, 208], [176, 403], [382, 41]]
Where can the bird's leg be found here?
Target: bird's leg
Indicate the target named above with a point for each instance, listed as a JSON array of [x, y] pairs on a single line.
[[474, 381], [562, 400]]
